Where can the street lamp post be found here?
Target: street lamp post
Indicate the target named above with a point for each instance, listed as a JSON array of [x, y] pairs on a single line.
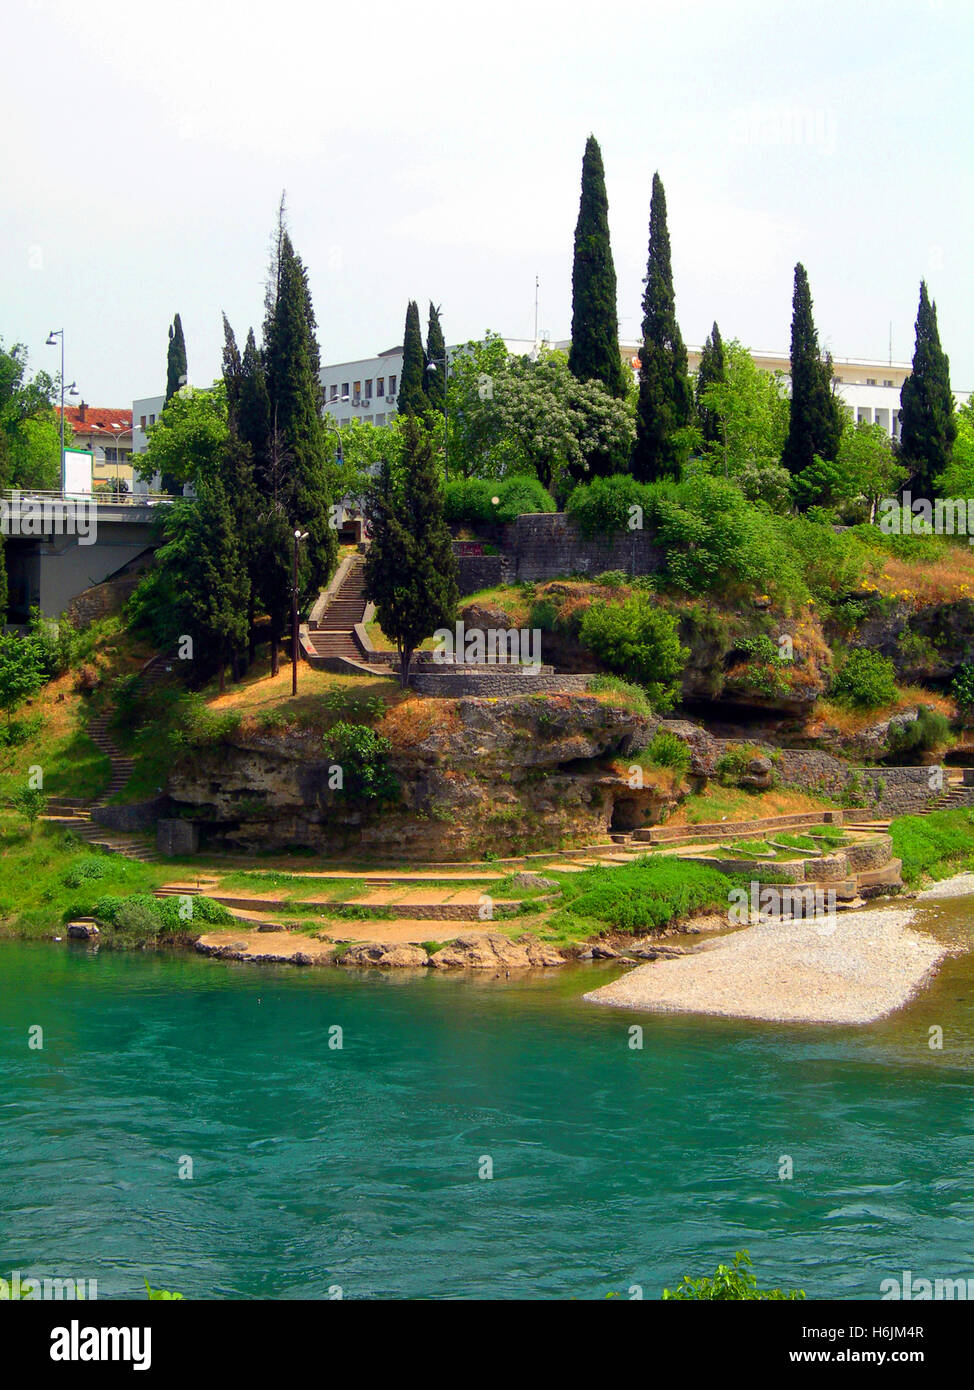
[[72, 391], [432, 366], [298, 536]]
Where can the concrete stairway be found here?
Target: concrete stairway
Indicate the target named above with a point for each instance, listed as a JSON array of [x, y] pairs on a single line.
[[334, 635]]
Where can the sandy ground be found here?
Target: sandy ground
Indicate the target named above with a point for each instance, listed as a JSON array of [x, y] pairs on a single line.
[[284, 945], [853, 968], [957, 887]]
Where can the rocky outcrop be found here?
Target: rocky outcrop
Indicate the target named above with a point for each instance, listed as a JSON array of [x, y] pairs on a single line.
[[387, 956], [491, 951], [476, 775]]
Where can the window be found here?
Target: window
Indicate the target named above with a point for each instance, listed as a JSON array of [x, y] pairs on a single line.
[[870, 381], [344, 390], [392, 386], [142, 423], [334, 393], [380, 386], [380, 419], [357, 389], [367, 419], [368, 389], [152, 419], [888, 383]]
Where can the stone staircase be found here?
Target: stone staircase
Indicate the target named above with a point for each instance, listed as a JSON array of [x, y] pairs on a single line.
[[334, 636], [76, 815]]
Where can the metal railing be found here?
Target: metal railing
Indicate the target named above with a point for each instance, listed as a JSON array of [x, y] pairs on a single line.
[[102, 493]]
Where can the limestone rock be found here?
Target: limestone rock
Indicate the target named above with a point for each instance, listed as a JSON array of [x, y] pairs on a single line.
[[476, 951], [383, 954], [525, 879], [83, 931]]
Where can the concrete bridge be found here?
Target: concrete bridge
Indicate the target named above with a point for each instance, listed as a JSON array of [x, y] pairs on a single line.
[[58, 544]]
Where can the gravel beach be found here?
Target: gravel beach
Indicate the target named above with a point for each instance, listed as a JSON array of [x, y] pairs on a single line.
[[853, 968]]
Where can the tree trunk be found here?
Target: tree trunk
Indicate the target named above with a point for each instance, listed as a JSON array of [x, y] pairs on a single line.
[[405, 659], [275, 642]]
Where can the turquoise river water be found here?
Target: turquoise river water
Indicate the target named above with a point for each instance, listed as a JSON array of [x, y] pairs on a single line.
[[316, 1168]]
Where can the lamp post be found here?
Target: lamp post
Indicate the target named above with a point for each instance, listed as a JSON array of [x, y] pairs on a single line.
[[298, 536], [72, 391], [432, 366]]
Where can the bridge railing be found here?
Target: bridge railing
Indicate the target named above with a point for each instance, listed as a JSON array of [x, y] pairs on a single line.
[[104, 495]]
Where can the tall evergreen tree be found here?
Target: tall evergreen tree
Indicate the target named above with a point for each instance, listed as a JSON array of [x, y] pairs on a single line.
[[665, 394], [214, 577], [176, 368], [412, 399], [435, 354], [710, 372], [410, 568], [594, 353], [814, 419], [290, 356], [929, 422]]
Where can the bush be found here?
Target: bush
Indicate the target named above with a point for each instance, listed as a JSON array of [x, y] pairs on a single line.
[[633, 696], [605, 504], [470, 500], [937, 844], [638, 637], [729, 1282], [87, 870], [865, 680], [962, 688], [139, 923], [666, 750], [612, 579], [362, 755], [928, 731]]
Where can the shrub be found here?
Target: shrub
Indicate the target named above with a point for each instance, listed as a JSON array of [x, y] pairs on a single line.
[[666, 750], [865, 680], [928, 731], [612, 579], [633, 696], [362, 755], [638, 637], [471, 500], [729, 1282], [605, 504], [86, 870], [962, 688], [137, 921]]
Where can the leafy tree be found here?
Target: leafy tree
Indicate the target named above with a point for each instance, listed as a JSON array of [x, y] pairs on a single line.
[[665, 394], [30, 802], [188, 439], [291, 362], [710, 373], [176, 367], [363, 756], [814, 420], [749, 410], [862, 474], [412, 399], [21, 672], [30, 443], [594, 354], [929, 424], [957, 479], [640, 639], [436, 355], [410, 568]]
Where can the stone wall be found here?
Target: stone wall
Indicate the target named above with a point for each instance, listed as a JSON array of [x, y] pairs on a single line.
[[476, 572], [547, 545], [495, 682], [896, 791], [139, 815]]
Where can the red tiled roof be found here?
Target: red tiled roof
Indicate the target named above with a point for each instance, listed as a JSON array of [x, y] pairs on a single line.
[[99, 419]]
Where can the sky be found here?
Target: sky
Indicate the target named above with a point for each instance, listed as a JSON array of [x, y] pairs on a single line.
[[433, 152]]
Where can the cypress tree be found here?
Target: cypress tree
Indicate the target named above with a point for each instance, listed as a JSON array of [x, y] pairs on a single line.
[[412, 399], [410, 568], [665, 395], [929, 425], [594, 354], [294, 390], [709, 373], [214, 577], [435, 353], [176, 369], [814, 419]]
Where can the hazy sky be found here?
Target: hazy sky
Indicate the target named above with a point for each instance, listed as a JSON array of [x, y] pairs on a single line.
[[434, 151]]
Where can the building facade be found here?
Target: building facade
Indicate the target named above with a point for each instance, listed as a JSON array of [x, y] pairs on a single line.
[[106, 433]]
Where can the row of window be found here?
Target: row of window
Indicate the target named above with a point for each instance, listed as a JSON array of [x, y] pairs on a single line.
[[152, 420], [357, 392], [366, 420], [870, 381]]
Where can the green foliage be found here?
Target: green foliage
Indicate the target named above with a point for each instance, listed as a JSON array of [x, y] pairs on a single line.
[[643, 897], [640, 638], [929, 422], [21, 671], [749, 409], [30, 802], [710, 373], [435, 356], [187, 440], [962, 687], [633, 696], [936, 845], [412, 399], [177, 371], [665, 395], [594, 354], [930, 730], [89, 869], [471, 500], [30, 445], [163, 1294], [363, 756], [666, 750], [732, 764], [957, 480], [865, 680], [606, 505], [734, 1281], [410, 568], [814, 421]]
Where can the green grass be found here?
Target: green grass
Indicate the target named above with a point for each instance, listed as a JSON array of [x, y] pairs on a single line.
[[49, 877], [751, 847], [645, 896], [937, 845]]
